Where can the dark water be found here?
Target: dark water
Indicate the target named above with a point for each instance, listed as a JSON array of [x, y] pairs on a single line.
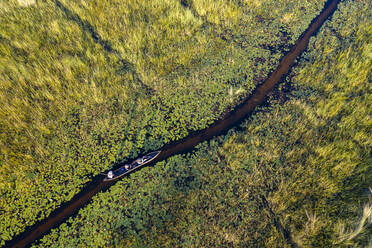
[[230, 120]]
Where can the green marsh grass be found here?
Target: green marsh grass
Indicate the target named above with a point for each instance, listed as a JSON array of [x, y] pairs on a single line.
[[106, 80], [296, 173]]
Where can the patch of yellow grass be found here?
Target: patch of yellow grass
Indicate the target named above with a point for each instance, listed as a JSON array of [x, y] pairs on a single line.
[[26, 3]]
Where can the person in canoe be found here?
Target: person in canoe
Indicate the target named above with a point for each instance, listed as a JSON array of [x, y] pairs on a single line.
[[110, 174]]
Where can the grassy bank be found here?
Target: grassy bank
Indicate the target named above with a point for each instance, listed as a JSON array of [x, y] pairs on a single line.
[[84, 85], [296, 172]]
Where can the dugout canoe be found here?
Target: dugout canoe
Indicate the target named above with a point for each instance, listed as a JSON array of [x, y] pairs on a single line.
[[113, 175]]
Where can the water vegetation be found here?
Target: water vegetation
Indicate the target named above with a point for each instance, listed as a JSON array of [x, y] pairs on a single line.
[[86, 84], [296, 173]]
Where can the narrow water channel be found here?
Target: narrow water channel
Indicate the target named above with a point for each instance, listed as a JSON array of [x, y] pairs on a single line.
[[230, 120]]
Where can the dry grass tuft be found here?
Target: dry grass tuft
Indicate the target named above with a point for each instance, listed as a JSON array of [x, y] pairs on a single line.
[[26, 3]]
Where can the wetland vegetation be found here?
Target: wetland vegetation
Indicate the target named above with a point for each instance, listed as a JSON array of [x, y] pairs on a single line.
[[85, 84], [296, 173]]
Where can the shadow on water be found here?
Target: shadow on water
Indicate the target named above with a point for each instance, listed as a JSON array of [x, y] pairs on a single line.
[[230, 120]]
